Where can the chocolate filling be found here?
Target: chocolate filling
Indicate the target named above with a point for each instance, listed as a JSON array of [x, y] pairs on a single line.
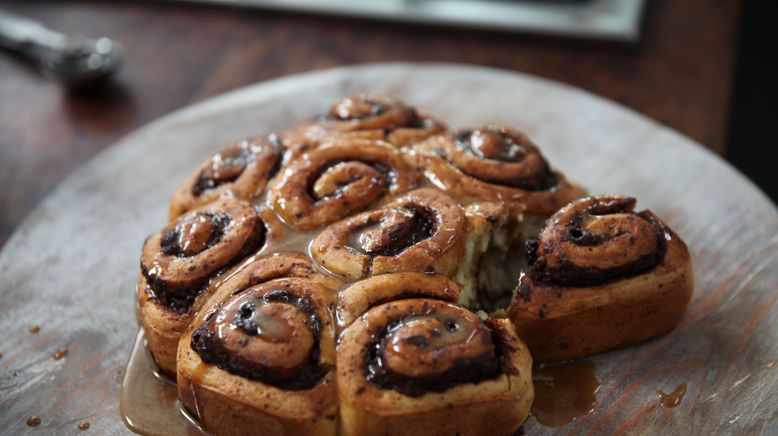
[[211, 350], [399, 237], [567, 273], [484, 367], [180, 299]]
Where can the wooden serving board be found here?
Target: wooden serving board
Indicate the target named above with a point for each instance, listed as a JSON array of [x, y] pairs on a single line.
[[71, 266]]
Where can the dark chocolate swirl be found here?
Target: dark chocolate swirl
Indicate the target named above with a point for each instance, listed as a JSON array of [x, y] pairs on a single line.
[[178, 262], [423, 230], [331, 182], [596, 240], [421, 345], [240, 171], [270, 333]]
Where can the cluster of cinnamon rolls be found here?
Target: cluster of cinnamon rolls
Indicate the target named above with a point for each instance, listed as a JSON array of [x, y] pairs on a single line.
[[370, 271]]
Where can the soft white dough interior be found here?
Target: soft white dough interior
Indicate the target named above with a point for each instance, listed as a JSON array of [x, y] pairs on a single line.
[[467, 275], [494, 257]]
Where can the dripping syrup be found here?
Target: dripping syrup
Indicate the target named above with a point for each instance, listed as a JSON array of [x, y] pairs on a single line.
[[673, 399], [148, 401]]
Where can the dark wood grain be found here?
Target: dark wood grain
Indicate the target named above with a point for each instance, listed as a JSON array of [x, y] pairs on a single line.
[[680, 74], [72, 265]]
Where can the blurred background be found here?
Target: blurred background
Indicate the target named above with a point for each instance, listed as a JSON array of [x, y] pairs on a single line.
[[703, 67]]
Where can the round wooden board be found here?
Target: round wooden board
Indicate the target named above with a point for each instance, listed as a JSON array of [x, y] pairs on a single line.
[[71, 266]]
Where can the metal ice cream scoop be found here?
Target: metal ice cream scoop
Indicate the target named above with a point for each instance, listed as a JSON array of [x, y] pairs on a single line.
[[74, 60]]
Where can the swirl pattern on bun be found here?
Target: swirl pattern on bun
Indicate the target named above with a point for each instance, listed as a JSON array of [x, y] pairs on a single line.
[[331, 182], [423, 230], [260, 356], [600, 276], [241, 170], [496, 163]]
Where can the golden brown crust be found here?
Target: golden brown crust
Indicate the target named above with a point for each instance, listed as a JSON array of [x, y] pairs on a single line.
[[496, 404], [331, 182], [604, 245], [241, 170], [496, 163], [252, 403], [363, 116], [423, 230]]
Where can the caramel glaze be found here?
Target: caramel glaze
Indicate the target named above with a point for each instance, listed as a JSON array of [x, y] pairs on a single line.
[[213, 349], [565, 252], [432, 350]]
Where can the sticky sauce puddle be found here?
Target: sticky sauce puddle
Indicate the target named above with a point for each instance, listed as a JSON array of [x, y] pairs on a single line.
[[149, 402]]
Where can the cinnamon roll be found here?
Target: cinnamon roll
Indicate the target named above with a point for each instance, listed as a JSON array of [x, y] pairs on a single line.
[[330, 182], [600, 276], [496, 163], [180, 264], [261, 360], [364, 117], [422, 366], [423, 230], [240, 170]]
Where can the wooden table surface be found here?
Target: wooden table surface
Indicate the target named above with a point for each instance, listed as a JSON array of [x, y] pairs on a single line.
[[680, 74]]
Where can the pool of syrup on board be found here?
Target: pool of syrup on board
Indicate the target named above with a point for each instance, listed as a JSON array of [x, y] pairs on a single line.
[[149, 401]]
